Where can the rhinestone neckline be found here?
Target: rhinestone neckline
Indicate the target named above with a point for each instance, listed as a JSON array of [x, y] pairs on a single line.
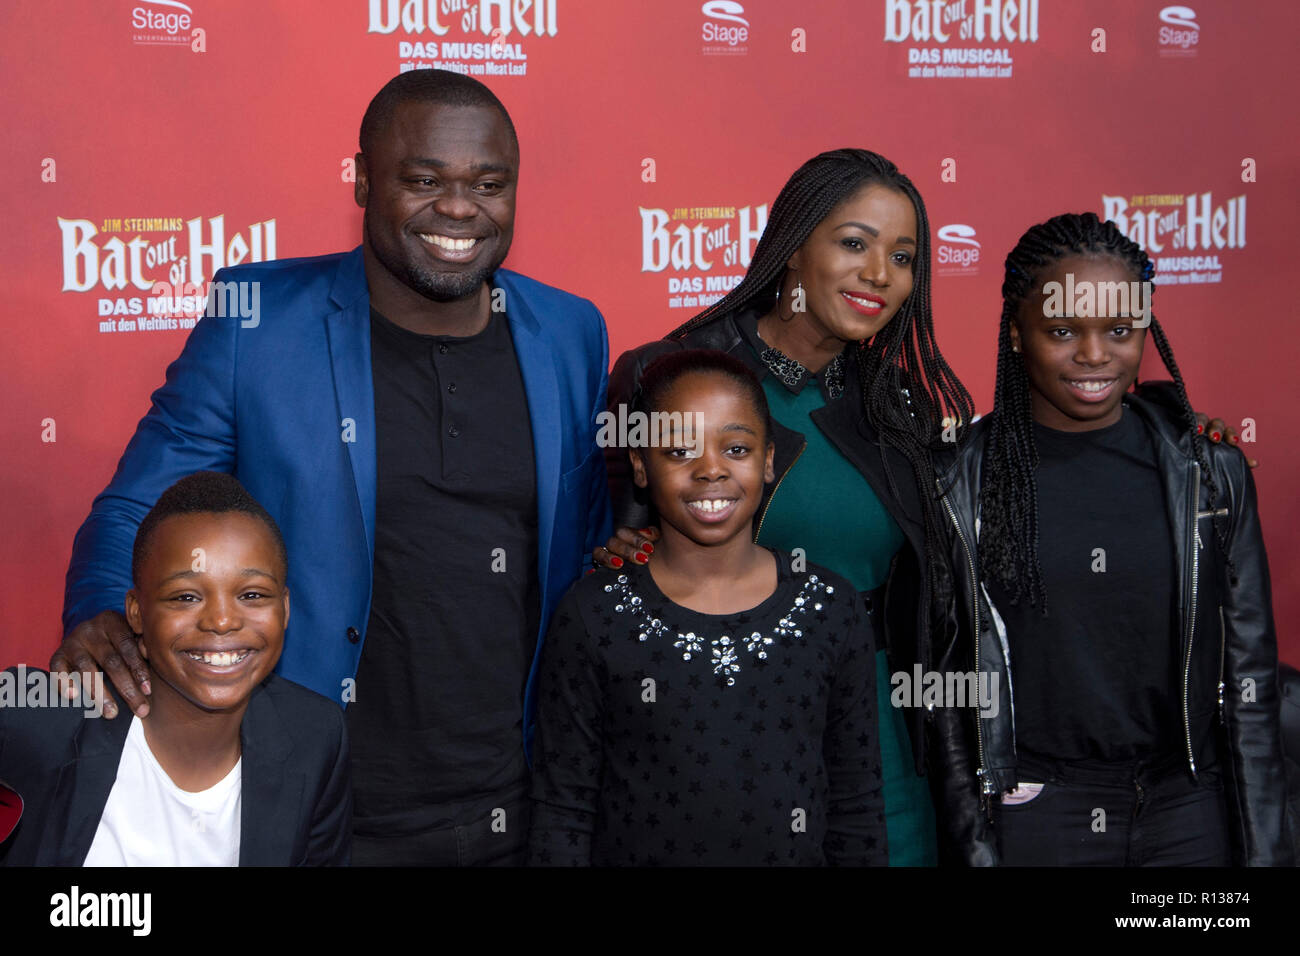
[[724, 651]]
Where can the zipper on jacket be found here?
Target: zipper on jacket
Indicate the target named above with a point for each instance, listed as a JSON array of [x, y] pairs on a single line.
[[763, 516], [1191, 615], [986, 787], [1223, 637]]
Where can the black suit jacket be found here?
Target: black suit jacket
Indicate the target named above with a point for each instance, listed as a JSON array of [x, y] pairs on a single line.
[[296, 807]]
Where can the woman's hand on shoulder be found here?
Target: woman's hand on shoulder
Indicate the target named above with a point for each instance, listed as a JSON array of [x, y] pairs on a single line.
[[627, 544], [1216, 430]]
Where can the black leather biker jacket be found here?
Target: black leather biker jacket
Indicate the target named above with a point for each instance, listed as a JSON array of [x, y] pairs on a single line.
[[1228, 691]]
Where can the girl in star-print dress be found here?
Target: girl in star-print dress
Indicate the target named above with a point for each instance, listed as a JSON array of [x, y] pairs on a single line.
[[717, 707]]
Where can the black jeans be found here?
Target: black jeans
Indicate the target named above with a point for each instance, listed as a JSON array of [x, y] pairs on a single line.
[[1147, 813], [477, 844]]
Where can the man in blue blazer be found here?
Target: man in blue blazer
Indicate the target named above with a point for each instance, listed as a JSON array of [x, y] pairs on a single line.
[[421, 424]]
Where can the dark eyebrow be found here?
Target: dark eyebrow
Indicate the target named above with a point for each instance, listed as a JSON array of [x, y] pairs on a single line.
[[738, 427], [440, 164], [1073, 319], [246, 572], [902, 240]]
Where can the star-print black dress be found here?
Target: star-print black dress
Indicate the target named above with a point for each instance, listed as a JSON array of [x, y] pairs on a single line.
[[668, 737]]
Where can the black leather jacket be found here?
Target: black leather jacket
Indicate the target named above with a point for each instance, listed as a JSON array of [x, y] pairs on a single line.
[[906, 621], [1228, 640]]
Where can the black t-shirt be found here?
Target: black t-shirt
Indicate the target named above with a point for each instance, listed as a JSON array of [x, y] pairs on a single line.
[[436, 727], [1097, 678], [669, 737]]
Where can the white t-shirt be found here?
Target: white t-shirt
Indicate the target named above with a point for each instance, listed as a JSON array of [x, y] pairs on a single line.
[[149, 821]]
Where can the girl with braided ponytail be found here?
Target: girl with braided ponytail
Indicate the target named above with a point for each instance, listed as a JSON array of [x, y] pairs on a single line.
[[834, 317], [1115, 574]]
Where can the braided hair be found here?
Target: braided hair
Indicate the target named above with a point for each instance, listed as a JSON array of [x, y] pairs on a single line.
[[1009, 491], [908, 389]]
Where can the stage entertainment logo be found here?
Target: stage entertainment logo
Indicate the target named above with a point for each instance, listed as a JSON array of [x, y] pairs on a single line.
[[474, 37], [957, 251], [704, 238], [161, 23], [1184, 235], [1179, 32], [153, 282], [726, 31], [981, 31]]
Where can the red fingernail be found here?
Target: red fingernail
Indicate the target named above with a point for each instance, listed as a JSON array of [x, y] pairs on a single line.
[[1215, 436], [645, 530], [591, 570], [616, 561], [648, 548], [1233, 438], [641, 558], [1199, 428]]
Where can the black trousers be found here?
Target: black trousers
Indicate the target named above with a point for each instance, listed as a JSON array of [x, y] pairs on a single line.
[[1147, 813], [500, 839]]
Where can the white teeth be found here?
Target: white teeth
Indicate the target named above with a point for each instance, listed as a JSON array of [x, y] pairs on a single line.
[[446, 242], [710, 505], [861, 301], [220, 658], [1092, 386]]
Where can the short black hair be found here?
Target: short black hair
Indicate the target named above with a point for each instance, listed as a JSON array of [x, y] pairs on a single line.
[[442, 87], [662, 373], [204, 492]]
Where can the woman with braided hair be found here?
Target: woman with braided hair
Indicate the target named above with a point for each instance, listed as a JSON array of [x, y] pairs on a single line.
[[834, 317], [1112, 589]]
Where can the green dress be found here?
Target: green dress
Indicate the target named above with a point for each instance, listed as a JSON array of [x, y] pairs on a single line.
[[824, 505]]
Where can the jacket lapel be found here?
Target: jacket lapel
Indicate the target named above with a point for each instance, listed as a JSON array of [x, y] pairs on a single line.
[[348, 332], [843, 422], [271, 796], [537, 369], [82, 791]]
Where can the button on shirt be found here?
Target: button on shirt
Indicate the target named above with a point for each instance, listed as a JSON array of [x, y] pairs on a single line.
[[436, 726]]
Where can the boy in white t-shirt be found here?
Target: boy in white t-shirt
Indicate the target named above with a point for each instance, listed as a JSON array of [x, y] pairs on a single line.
[[230, 765]]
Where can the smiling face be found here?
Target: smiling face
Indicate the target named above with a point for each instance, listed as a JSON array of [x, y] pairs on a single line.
[[856, 266], [438, 188], [708, 492], [212, 620], [1079, 368]]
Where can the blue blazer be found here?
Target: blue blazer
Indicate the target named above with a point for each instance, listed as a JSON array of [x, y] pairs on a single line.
[[287, 406]]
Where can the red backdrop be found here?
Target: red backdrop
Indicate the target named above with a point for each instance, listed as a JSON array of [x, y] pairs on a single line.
[[128, 120]]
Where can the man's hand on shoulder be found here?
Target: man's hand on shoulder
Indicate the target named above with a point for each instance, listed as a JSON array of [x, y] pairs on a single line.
[[106, 642]]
